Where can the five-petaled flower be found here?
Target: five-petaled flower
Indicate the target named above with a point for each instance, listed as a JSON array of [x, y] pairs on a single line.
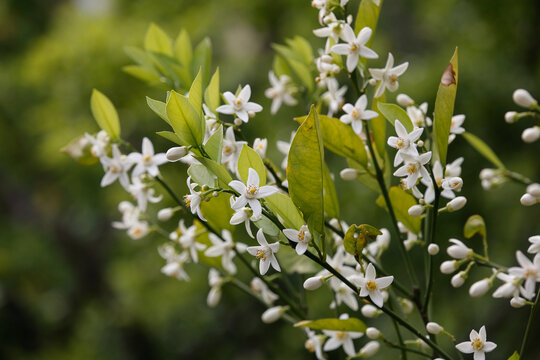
[[193, 200], [355, 47], [369, 285], [355, 114], [413, 168], [302, 237], [388, 77], [147, 160], [405, 142], [251, 192], [478, 344], [265, 253], [239, 105], [279, 93]]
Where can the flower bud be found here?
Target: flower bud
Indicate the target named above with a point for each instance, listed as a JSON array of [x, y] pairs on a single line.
[[237, 121], [420, 143], [372, 82], [448, 266], [510, 117], [487, 174], [406, 305], [165, 214], [369, 349], [370, 311], [404, 100], [373, 333], [273, 314], [527, 200], [434, 328], [459, 250], [531, 134], [385, 295], [348, 174], [416, 210], [459, 279], [479, 288], [517, 302], [214, 295], [176, 153], [313, 283], [433, 249], [456, 203], [524, 99], [534, 190]]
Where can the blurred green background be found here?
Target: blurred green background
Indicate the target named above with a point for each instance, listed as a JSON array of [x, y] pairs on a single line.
[[71, 287]]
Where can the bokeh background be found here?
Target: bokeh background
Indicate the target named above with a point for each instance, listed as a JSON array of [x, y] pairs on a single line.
[[71, 287]]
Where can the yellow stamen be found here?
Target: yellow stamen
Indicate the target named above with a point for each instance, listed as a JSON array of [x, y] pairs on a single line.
[[477, 344], [371, 285]]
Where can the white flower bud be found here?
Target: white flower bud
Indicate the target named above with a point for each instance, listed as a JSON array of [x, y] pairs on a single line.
[[251, 114], [385, 295], [434, 328], [165, 214], [373, 333], [458, 279], [370, 311], [517, 302], [433, 249], [124, 206], [372, 82], [406, 305], [531, 134], [524, 99], [510, 117], [404, 100], [313, 283], [176, 153], [459, 250], [420, 143], [487, 174], [335, 223], [527, 200], [348, 174], [448, 266], [416, 210], [273, 314], [214, 295], [237, 121], [369, 349], [534, 190], [479, 288], [456, 203]]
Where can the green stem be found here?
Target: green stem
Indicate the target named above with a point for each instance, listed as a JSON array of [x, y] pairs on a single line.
[[528, 328], [431, 238], [404, 348], [514, 176], [398, 334]]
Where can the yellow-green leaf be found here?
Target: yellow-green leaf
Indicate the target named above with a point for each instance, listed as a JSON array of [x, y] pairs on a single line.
[[214, 144], [331, 202], [367, 16], [249, 158], [211, 94], [157, 40], [158, 107], [105, 114], [185, 120], [195, 97], [515, 356], [202, 57], [183, 49], [169, 135], [283, 206], [378, 127], [401, 202], [142, 73], [444, 109], [393, 112], [475, 225], [483, 149], [356, 238], [218, 211], [350, 324], [201, 175], [305, 171], [219, 170]]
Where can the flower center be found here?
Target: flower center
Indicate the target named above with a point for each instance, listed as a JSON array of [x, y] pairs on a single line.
[[113, 169], [340, 335], [227, 150], [261, 255], [251, 191], [238, 104], [477, 344], [147, 158], [301, 236], [393, 79], [355, 113], [402, 143], [371, 285], [187, 200], [309, 346], [531, 273], [354, 47], [411, 168]]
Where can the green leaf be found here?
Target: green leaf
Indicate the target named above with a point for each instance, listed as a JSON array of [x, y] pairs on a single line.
[[401, 202], [140, 56], [267, 226], [341, 139], [201, 175], [211, 94], [219, 170], [475, 225], [302, 48], [364, 177], [289, 259], [393, 112], [105, 114], [214, 144], [296, 63], [368, 15], [185, 120], [218, 211], [350, 324], [202, 56], [183, 49], [157, 40], [142, 73], [249, 158], [515, 356], [331, 202], [158, 107], [356, 238], [283, 206], [378, 127], [195, 97], [483, 149], [444, 109], [305, 171], [169, 135], [280, 66]]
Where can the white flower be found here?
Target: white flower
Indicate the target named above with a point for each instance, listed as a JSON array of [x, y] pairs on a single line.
[[193, 200], [418, 115], [259, 287], [510, 288], [478, 344], [342, 338], [333, 29], [355, 46], [147, 161], [138, 230], [251, 193], [528, 270], [188, 240], [243, 215], [175, 262], [130, 215], [355, 114], [215, 281], [260, 145], [265, 253], [454, 168], [404, 142], [535, 244], [224, 248], [239, 105], [388, 77], [116, 168], [99, 143], [455, 127], [231, 149], [314, 344], [344, 294], [279, 92], [459, 250], [326, 68], [284, 148], [371, 286], [413, 168], [334, 97], [143, 193], [302, 237]]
